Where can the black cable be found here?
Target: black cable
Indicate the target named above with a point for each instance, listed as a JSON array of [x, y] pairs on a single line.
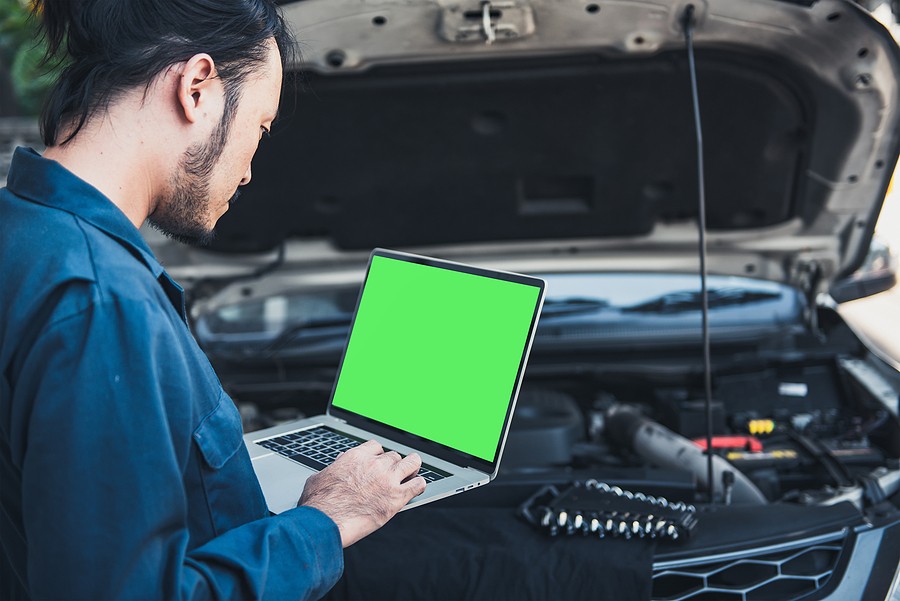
[[824, 457], [864, 430], [205, 287], [688, 24]]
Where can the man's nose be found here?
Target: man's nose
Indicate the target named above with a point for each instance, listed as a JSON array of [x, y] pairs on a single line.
[[246, 179]]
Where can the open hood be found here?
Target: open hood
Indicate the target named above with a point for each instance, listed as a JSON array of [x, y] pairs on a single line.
[[418, 124]]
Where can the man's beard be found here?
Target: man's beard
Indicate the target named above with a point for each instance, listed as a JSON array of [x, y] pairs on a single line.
[[183, 213]]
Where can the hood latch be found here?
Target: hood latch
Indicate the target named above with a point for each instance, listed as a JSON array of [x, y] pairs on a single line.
[[487, 21]]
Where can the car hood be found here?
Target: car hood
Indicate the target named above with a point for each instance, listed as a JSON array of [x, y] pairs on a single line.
[[566, 127]]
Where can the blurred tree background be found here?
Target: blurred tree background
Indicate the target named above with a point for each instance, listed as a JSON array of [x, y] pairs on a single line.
[[24, 80]]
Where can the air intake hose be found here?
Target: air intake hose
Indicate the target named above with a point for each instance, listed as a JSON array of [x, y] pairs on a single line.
[[664, 448]]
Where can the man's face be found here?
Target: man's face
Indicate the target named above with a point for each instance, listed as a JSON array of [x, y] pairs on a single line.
[[209, 173]]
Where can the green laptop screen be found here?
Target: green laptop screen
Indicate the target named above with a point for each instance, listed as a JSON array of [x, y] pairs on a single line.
[[435, 352]]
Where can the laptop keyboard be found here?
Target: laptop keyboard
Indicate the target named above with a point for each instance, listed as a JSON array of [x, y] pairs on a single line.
[[318, 447]]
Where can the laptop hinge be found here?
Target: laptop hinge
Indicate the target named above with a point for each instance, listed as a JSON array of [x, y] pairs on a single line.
[[331, 415]]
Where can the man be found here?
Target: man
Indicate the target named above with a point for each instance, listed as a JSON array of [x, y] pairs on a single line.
[[122, 468]]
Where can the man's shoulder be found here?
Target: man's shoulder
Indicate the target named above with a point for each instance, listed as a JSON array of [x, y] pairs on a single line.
[[41, 239], [52, 257], [62, 245]]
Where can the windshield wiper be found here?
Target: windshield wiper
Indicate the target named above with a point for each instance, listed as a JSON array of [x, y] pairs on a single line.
[[555, 307], [338, 326], [690, 300]]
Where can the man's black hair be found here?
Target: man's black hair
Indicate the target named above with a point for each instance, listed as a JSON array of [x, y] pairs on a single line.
[[112, 46]]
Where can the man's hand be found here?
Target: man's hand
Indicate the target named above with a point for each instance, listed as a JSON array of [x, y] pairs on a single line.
[[363, 489]]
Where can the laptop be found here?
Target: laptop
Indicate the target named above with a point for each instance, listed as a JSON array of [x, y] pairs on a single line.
[[433, 365]]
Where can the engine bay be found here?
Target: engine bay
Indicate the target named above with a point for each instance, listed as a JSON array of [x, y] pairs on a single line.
[[801, 431], [801, 412], [803, 423]]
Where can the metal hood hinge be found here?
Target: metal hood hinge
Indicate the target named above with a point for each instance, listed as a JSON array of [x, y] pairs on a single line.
[[807, 276]]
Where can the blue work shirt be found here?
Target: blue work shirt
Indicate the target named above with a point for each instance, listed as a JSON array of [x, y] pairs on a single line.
[[122, 468]]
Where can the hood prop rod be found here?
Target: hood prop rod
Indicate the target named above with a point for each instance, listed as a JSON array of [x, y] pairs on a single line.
[[687, 23]]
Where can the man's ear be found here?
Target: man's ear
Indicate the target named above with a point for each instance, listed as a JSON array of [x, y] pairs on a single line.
[[197, 87]]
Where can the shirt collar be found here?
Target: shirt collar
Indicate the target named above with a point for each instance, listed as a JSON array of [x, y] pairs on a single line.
[[48, 183]]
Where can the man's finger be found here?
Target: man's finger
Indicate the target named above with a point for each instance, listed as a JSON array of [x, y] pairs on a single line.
[[372, 447], [414, 487], [409, 465], [393, 455]]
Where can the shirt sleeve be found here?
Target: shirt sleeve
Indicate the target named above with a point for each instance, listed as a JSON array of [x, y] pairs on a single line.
[[104, 408]]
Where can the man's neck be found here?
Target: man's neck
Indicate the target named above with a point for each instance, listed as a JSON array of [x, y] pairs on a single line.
[[116, 161]]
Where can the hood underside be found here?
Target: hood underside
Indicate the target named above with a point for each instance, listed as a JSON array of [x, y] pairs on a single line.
[[408, 127]]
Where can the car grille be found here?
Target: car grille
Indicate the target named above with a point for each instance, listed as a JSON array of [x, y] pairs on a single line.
[[779, 572]]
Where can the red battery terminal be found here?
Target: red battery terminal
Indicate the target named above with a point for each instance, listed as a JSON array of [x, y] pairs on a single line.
[[746, 443]]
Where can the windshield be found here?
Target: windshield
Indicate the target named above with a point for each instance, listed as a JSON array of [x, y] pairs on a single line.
[[608, 307]]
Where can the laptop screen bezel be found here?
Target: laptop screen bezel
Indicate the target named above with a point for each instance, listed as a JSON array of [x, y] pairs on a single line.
[[429, 446]]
